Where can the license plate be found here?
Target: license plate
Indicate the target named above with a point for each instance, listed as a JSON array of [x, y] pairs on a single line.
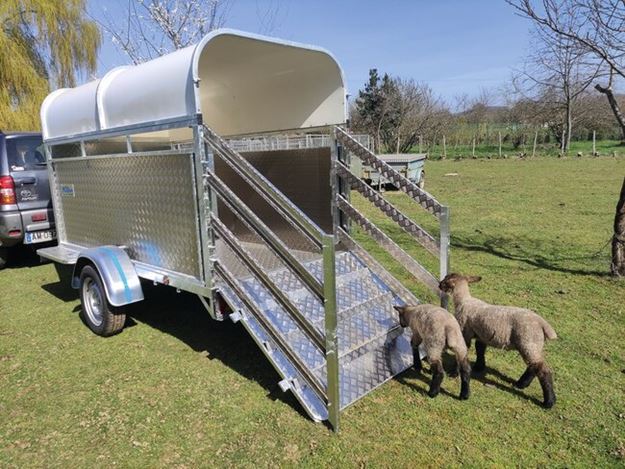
[[39, 236]]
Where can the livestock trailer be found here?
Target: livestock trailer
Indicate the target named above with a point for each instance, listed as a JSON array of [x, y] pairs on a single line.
[[409, 165], [147, 186]]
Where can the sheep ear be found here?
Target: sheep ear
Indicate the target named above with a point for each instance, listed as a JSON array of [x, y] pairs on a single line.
[[474, 279], [399, 309]]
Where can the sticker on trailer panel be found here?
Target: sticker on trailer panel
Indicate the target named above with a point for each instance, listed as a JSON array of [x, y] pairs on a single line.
[[67, 190]]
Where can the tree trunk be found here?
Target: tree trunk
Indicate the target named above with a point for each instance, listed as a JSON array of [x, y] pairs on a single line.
[[616, 109], [569, 127], [618, 240]]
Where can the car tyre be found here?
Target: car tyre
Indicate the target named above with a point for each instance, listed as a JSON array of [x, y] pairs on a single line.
[[98, 314], [4, 257]]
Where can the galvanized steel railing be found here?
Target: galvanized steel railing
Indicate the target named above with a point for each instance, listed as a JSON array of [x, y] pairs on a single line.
[[288, 142], [325, 291], [438, 248]]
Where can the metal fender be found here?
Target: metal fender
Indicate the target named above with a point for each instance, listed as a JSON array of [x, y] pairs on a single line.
[[117, 271]]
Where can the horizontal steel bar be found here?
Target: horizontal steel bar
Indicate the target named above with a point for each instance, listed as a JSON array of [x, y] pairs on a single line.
[[265, 188], [174, 123], [255, 224], [248, 260], [424, 238], [426, 200], [401, 256], [122, 155], [256, 311]]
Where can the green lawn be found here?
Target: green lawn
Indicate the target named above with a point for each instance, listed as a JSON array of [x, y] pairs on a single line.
[[177, 389]]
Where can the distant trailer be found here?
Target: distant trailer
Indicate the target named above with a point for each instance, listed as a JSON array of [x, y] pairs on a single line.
[[409, 165]]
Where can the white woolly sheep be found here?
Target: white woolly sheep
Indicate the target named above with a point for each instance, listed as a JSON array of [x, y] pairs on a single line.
[[437, 330], [505, 327]]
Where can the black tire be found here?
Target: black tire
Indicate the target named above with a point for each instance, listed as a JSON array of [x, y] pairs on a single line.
[[4, 257], [421, 183], [97, 313]]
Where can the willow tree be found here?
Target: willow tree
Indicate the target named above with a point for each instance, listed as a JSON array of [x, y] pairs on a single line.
[[43, 44]]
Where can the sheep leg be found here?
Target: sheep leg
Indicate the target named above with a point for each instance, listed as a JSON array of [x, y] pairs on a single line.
[[416, 356], [526, 378], [480, 361], [545, 378], [437, 377], [465, 377]]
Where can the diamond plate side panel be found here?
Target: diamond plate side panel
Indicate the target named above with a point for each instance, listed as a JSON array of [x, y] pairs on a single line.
[[145, 202]]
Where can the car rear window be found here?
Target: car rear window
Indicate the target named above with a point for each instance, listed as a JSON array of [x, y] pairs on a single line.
[[25, 153]]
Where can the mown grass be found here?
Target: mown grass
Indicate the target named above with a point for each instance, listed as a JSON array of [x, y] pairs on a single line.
[[177, 389]]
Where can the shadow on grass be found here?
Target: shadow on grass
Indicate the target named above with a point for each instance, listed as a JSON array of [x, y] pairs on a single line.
[[485, 379], [21, 257], [182, 316], [528, 251], [410, 375], [62, 290]]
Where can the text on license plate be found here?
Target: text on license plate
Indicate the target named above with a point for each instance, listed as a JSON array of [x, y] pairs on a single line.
[[39, 236]]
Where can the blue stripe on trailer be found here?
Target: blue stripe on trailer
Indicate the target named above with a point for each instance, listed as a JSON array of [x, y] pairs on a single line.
[[120, 271]]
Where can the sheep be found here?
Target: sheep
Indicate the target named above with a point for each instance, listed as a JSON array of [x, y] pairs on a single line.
[[505, 327], [436, 329]]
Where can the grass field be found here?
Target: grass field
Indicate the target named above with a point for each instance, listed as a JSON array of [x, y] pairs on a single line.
[[602, 147], [175, 389]]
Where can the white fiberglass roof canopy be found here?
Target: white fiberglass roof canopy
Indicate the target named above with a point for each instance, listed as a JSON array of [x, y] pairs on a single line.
[[241, 83]]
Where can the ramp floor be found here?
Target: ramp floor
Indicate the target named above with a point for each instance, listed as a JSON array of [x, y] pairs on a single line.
[[372, 346]]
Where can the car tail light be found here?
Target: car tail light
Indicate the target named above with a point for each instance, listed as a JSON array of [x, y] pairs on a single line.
[[39, 217], [7, 191]]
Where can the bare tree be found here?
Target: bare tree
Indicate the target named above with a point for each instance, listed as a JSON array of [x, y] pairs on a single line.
[[556, 74], [618, 239], [150, 28], [598, 26], [413, 111]]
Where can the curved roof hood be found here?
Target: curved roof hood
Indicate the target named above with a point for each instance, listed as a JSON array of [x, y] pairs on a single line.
[[241, 83]]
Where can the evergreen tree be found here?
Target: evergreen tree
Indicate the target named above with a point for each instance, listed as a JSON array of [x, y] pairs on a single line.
[[374, 106], [43, 44]]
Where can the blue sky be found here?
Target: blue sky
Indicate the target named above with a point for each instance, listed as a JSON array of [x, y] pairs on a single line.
[[455, 46]]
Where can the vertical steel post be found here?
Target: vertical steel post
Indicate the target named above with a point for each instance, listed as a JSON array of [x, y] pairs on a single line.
[[444, 250], [340, 153], [205, 204], [332, 352]]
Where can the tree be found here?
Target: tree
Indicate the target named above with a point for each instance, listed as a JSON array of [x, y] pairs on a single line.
[[618, 239], [594, 25], [556, 74], [43, 43], [373, 105], [413, 111], [150, 28]]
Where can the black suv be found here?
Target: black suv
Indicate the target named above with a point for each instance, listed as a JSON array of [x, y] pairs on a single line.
[[26, 215]]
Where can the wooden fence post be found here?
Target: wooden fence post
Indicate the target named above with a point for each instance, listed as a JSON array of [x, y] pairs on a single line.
[[473, 149], [499, 143], [594, 143], [444, 148]]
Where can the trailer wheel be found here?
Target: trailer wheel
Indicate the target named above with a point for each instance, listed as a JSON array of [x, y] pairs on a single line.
[[421, 183], [4, 257], [98, 314]]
